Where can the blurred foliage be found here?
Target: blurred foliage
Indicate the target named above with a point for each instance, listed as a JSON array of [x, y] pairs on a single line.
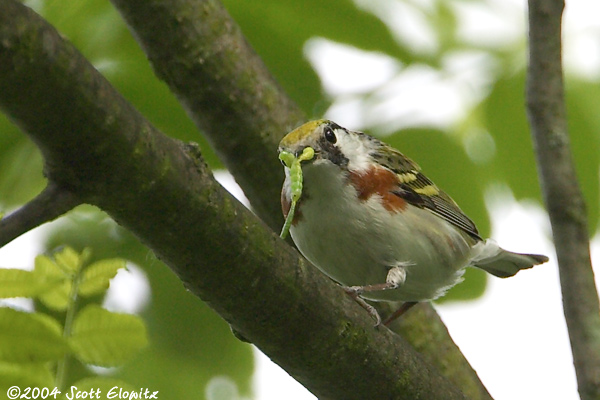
[[35, 347], [189, 343]]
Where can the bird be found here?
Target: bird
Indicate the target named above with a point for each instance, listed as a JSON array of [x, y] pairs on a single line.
[[368, 218]]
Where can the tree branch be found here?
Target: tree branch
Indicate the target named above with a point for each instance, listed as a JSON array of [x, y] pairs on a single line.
[[50, 204], [104, 152], [546, 109], [199, 51]]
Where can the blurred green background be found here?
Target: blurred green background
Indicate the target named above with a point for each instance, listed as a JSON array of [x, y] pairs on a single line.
[[446, 94]]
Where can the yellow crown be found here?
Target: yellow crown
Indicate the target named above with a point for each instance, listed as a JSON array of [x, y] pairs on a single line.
[[301, 132]]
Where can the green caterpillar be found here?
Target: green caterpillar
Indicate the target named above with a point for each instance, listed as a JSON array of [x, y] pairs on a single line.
[[293, 163]]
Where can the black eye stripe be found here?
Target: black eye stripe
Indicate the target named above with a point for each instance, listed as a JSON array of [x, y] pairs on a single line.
[[332, 152]]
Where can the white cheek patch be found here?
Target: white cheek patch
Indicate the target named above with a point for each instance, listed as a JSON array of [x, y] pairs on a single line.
[[355, 151]]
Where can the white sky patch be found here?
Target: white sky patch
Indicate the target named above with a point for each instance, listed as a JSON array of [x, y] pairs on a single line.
[[418, 95], [345, 69], [406, 21], [473, 72], [271, 382], [229, 183], [129, 291], [582, 39], [20, 254], [350, 109], [491, 23], [423, 96]]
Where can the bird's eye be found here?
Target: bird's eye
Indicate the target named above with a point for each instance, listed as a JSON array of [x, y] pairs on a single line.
[[329, 135]]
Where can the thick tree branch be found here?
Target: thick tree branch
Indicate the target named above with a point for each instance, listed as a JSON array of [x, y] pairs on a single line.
[[200, 52], [50, 204], [104, 152], [561, 191]]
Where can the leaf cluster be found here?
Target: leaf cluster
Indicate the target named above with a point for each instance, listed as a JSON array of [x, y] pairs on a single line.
[[34, 346]]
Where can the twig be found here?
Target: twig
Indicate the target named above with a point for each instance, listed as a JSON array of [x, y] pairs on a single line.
[[561, 192], [50, 204]]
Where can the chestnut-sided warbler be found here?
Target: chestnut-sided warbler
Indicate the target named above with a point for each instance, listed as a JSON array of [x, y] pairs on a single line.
[[372, 221]]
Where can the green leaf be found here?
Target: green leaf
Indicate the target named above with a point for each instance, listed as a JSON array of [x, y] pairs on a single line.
[[58, 283], [104, 338], [506, 120], [101, 388], [21, 164], [585, 142], [57, 298], [46, 268], [19, 283], [25, 375], [29, 337], [96, 277], [69, 260]]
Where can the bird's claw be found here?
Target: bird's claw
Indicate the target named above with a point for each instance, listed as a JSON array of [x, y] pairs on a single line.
[[355, 292]]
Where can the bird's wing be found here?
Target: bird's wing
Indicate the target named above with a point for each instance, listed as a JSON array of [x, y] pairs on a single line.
[[420, 191]]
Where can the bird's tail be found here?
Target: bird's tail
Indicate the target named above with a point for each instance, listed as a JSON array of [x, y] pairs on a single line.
[[490, 257]]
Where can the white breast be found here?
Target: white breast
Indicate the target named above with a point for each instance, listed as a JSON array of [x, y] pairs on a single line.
[[356, 242]]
